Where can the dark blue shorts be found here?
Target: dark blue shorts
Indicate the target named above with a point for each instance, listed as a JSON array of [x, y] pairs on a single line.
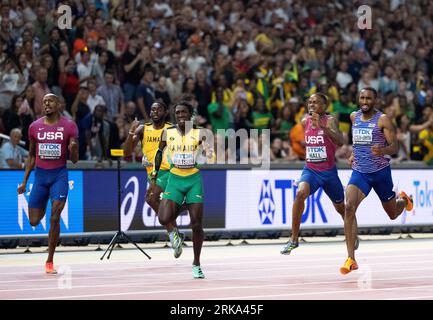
[[49, 184], [328, 180], [380, 181]]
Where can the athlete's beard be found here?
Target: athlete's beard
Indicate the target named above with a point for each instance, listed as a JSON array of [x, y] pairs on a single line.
[[366, 111], [50, 114], [159, 121]]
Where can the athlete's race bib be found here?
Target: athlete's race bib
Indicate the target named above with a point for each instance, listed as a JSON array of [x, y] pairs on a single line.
[[362, 135], [316, 154], [183, 160], [50, 151]]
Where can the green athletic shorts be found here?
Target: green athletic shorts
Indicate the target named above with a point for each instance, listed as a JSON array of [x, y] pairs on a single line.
[[161, 179], [189, 188]]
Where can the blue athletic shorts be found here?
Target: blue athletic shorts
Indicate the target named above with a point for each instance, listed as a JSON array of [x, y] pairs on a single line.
[[49, 184], [380, 181], [328, 180]]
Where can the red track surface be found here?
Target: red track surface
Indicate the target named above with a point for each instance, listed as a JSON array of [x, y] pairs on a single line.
[[391, 269]]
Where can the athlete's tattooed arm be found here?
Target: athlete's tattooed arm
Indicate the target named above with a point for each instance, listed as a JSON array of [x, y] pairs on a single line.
[[333, 132]]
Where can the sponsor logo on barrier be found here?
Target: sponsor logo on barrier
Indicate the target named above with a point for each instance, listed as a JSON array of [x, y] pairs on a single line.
[[423, 194], [267, 201], [23, 210], [268, 206], [130, 204]]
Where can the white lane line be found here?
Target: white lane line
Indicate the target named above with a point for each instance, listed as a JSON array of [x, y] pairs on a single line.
[[326, 293], [240, 287], [50, 278], [259, 261], [303, 284], [217, 281]]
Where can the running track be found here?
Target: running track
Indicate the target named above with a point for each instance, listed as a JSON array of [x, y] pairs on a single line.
[[389, 269]]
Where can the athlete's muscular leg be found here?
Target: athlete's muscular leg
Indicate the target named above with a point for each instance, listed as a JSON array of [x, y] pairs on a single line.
[[53, 236], [354, 196], [298, 208], [153, 200], [340, 208], [167, 212], [36, 215], [394, 207], [196, 214]]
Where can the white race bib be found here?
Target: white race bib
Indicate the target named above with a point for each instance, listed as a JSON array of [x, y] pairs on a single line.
[[183, 160], [50, 151], [362, 135], [316, 154]]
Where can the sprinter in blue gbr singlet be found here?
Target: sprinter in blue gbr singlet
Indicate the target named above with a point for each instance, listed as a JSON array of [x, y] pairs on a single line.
[[374, 140]]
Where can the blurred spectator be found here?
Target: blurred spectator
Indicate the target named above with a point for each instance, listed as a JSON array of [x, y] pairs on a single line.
[[84, 67], [13, 156], [262, 118], [132, 61], [297, 139], [112, 95], [243, 117], [94, 99], [146, 94], [69, 82], [12, 82], [273, 53], [40, 88], [174, 84], [219, 115], [97, 131], [161, 91], [17, 116]]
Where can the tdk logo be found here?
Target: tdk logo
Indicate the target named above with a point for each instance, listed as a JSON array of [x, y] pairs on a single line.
[[423, 195], [316, 149], [50, 135], [361, 131], [314, 139], [50, 146], [266, 204], [269, 210]]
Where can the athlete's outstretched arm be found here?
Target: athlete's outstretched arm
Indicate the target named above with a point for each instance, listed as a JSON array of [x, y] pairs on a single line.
[[158, 156], [333, 132], [390, 136], [30, 164], [134, 136]]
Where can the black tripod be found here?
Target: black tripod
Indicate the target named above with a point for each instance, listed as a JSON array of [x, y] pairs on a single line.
[[119, 234]]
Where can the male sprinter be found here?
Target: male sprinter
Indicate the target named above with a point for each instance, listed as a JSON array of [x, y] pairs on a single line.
[[50, 139], [184, 144], [322, 137], [150, 134], [373, 137]]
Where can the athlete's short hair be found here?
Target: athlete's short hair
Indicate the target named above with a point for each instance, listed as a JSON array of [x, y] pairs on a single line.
[[52, 95], [323, 96], [370, 89], [186, 104], [161, 103]]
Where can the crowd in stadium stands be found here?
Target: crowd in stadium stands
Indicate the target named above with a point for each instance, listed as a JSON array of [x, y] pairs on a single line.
[[242, 64]]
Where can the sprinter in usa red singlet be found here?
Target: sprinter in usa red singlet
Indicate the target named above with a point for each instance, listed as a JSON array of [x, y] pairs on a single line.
[[51, 138], [322, 137]]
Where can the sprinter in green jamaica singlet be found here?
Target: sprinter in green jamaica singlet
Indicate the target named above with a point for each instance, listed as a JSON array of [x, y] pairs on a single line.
[[184, 143]]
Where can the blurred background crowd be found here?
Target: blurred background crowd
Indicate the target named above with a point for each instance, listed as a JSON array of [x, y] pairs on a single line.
[[243, 65]]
